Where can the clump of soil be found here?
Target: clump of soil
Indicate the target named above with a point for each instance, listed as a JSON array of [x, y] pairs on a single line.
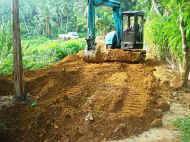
[[75, 101], [6, 86], [114, 55]]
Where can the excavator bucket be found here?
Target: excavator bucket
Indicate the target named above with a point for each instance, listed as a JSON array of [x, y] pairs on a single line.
[[101, 55], [116, 55]]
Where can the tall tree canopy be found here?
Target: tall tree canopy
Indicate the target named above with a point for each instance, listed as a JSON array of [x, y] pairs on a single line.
[[50, 17]]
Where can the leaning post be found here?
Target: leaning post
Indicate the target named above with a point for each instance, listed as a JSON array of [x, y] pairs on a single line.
[[17, 52]]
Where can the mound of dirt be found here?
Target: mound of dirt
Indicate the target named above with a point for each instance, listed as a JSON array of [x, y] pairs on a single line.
[[75, 101]]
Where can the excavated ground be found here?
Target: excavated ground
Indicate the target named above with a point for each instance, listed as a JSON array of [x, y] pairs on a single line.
[[75, 101]]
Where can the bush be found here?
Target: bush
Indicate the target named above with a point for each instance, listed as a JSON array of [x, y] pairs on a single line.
[[164, 33], [49, 52], [6, 56], [34, 41], [39, 53], [60, 48], [184, 126]]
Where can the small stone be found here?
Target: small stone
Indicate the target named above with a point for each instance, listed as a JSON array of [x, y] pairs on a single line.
[[55, 126], [120, 127], [163, 105], [89, 117], [174, 94], [156, 123], [64, 69], [102, 134], [158, 112]]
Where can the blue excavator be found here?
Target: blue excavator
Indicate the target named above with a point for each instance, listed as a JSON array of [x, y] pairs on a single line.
[[129, 25]]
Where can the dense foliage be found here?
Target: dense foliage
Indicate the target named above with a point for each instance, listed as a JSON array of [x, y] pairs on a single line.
[[164, 31], [38, 52], [52, 17], [46, 17]]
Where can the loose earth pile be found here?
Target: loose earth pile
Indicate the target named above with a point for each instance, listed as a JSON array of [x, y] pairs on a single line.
[[75, 101], [115, 55]]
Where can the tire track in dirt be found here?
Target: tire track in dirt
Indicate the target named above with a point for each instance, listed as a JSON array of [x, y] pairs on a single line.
[[79, 102]]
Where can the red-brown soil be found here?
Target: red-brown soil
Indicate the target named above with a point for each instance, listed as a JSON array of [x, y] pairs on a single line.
[[83, 102]]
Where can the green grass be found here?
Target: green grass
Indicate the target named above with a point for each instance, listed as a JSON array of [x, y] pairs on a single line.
[[163, 35], [5, 51], [184, 126], [38, 52]]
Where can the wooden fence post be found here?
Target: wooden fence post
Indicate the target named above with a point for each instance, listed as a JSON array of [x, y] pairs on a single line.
[[18, 67]]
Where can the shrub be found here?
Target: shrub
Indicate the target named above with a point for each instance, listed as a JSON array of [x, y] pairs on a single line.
[[6, 56], [184, 126], [39, 53], [164, 33]]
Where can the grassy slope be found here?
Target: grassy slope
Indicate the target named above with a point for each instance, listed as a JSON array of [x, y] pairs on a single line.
[[41, 52]]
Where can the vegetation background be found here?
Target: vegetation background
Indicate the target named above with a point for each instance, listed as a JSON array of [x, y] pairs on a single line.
[[41, 22]]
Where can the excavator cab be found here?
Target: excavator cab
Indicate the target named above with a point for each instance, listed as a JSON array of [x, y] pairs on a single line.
[[133, 30]]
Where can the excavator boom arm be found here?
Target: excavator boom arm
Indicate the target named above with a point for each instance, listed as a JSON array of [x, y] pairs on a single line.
[[110, 3], [92, 4]]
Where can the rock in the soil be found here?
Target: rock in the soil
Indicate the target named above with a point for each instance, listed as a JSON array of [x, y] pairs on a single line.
[[156, 123], [6, 101], [162, 104], [158, 112], [89, 117], [120, 127]]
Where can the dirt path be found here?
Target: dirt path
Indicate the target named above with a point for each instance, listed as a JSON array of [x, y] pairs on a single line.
[[154, 135], [78, 102]]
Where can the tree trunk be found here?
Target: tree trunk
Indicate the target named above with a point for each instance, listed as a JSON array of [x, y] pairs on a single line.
[[47, 26], [155, 7], [25, 24], [18, 68], [67, 24], [186, 52]]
